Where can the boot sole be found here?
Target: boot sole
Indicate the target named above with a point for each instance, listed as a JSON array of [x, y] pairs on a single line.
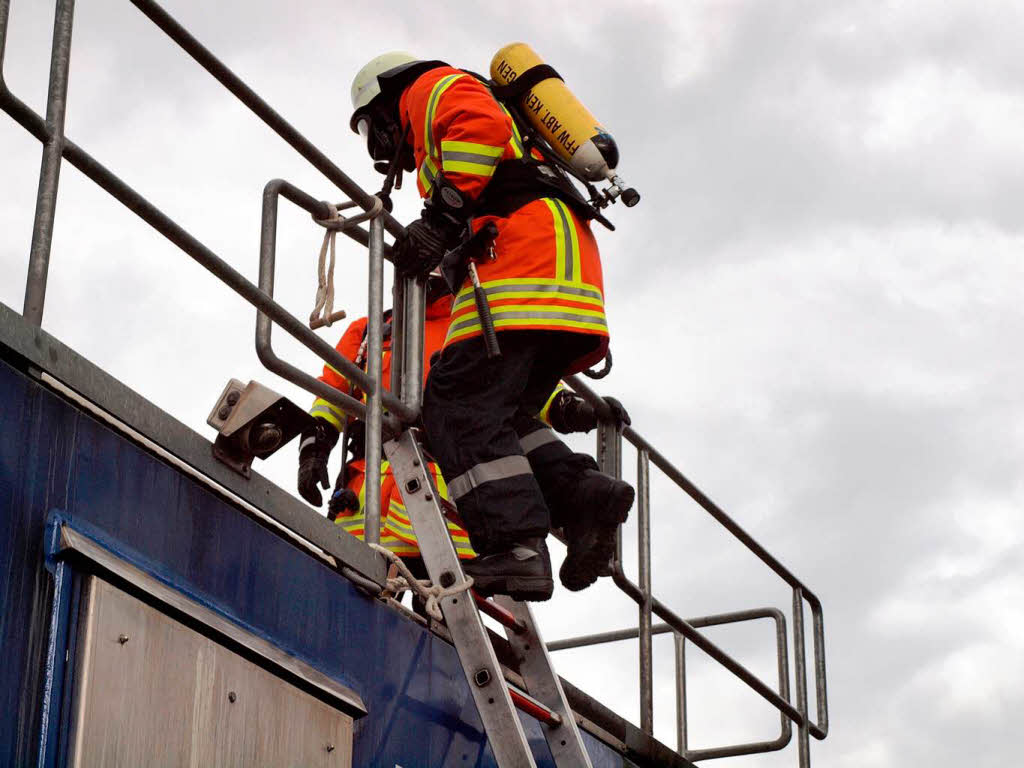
[[522, 588], [579, 572]]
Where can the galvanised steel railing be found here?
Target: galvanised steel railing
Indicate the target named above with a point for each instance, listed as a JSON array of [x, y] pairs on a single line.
[[609, 454], [403, 407]]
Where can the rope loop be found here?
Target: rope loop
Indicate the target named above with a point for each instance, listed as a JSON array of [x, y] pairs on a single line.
[[323, 314], [431, 594]]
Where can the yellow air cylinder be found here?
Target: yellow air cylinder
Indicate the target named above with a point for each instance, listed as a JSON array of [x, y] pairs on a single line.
[[552, 109]]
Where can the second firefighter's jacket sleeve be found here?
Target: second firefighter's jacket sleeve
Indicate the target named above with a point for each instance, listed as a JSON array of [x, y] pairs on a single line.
[[348, 347]]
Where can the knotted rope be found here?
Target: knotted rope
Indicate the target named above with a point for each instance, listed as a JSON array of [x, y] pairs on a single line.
[[323, 313], [431, 594]]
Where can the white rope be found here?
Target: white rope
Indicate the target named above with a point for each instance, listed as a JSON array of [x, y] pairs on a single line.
[[324, 304], [323, 314], [431, 594]]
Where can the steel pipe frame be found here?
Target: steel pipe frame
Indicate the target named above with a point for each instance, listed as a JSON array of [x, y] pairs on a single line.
[[49, 172], [643, 470], [374, 409], [610, 460], [734, 617], [268, 251], [411, 351], [56, 145]]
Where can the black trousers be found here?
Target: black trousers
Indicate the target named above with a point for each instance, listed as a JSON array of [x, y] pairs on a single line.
[[475, 410], [557, 471]]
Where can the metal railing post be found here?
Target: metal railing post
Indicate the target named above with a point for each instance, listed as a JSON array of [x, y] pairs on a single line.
[[397, 334], [643, 473], [680, 654], [5, 15], [412, 352], [49, 171], [800, 661], [374, 410]]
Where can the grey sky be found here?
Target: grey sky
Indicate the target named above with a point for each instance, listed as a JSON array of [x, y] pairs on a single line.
[[814, 308]]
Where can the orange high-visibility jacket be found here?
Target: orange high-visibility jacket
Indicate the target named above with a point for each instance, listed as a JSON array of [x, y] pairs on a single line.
[[396, 531], [547, 270]]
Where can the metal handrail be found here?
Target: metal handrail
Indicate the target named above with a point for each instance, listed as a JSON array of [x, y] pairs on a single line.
[[57, 145], [782, 664], [609, 450]]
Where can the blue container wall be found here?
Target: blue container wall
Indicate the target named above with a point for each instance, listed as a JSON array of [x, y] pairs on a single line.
[[55, 457]]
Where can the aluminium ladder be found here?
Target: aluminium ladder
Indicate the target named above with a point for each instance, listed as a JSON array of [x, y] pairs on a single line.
[[495, 700]]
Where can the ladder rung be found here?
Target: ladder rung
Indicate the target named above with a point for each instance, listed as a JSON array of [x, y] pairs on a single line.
[[499, 614], [534, 708]]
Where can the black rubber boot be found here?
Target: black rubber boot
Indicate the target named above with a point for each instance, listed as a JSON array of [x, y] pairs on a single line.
[[523, 572], [604, 504]]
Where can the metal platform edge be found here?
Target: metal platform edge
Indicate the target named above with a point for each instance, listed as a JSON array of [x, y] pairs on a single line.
[[46, 354]]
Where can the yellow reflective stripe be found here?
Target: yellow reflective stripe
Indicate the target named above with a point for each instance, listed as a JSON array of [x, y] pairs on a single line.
[[440, 87], [568, 324], [534, 310], [328, 405], [567, 246], [328, 412], [530, 315], [470, 157], [500, 290], [428, 172], [516, 142], [543, 415], [470, 147], [477, 169], [559, 240], [570, 225]]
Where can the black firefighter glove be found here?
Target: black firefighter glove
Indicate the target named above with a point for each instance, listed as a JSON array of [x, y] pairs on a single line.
[[424, 243], [571, 413], [314, 448], [439, 229]]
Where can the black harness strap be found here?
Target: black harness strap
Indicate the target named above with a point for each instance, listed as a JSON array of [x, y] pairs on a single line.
[[513, 91]]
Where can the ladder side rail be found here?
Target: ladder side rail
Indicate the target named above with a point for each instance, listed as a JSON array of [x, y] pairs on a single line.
[[476, 654], [543, 684]]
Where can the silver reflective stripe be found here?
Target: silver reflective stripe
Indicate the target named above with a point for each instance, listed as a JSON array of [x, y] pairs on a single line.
[[504, 317], [439, 87], [497, 290], [486, 472], [469, 157], [307, 441], [535, 440]]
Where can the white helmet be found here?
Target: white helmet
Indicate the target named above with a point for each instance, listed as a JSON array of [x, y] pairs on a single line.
[[366, 87]]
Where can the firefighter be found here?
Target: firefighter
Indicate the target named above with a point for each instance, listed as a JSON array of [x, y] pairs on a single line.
[[347, 507], [557, 468], [546, 296]]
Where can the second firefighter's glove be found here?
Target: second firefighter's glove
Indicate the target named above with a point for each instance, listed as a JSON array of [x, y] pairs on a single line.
[[342, 501], [571, 413], [314, 448]]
